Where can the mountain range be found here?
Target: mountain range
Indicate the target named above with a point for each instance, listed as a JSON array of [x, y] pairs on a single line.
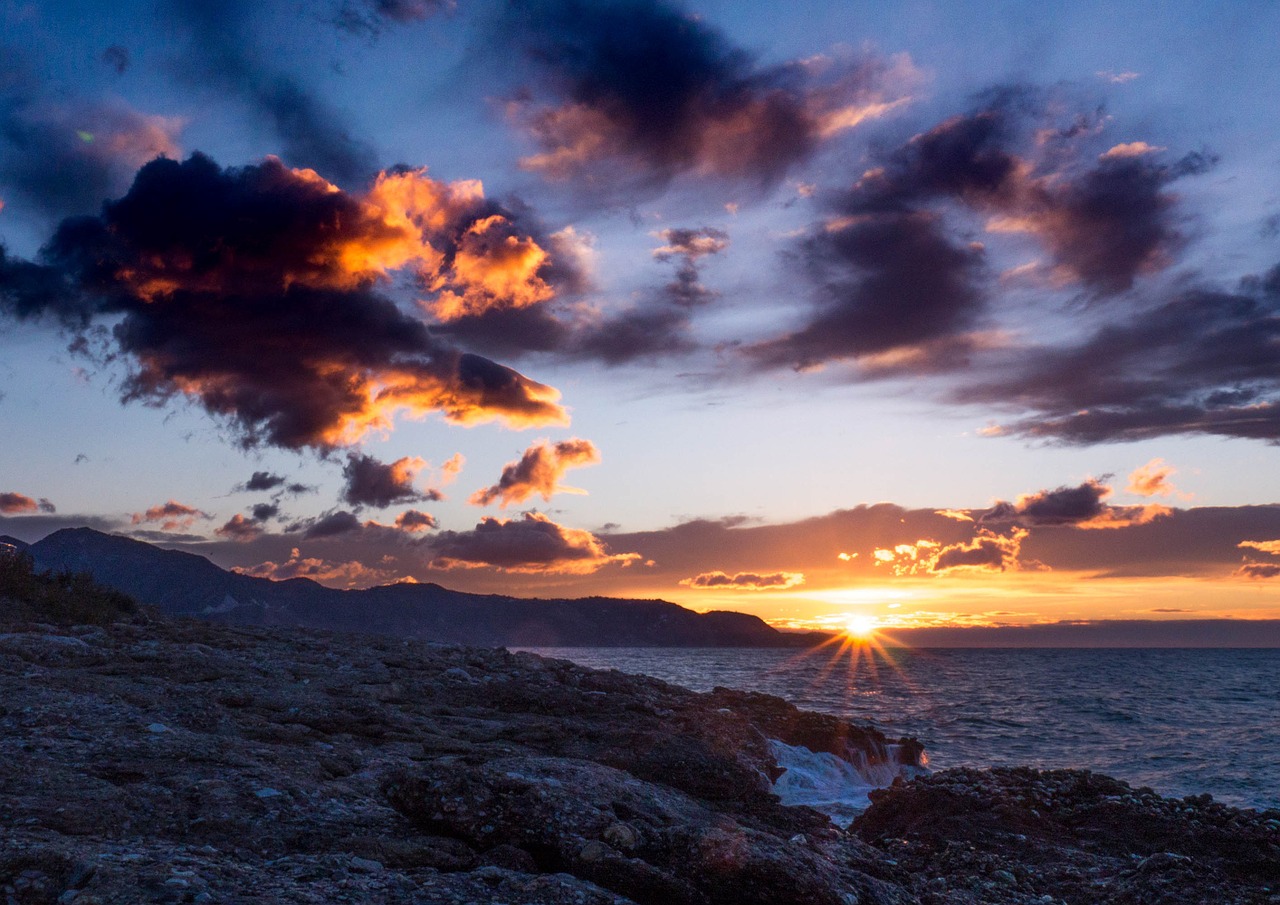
[[184, 584]]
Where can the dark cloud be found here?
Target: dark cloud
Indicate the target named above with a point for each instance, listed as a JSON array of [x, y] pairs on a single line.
[[751, 581], [887, 282], [412, 520], [253, 292], [379, 484], [993, 552], [1204, 363], [686, 247], [370, 18], [658, 325], [1081, 506], [892, 274], [265, 511], [538, 471], [61, 157], [1063, 506], [1259, 570], [261, 481], [532, 543], [117, 58], [12, 503], [636, 92], [328, 525], [223, 54]]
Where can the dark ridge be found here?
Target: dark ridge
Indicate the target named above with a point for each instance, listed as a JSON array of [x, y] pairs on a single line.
[[184, 584]]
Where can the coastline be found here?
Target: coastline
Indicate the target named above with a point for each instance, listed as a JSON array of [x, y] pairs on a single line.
[[154, 759]]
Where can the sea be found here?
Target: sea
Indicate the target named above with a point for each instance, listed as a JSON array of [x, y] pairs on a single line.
[[1181, 721]]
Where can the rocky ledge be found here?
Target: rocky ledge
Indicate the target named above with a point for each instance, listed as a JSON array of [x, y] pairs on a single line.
[[158, 760]]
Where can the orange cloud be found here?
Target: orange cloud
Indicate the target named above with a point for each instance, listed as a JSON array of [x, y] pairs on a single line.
[[986, 551], [531, 544], [493, 269], [750, 581], [254, 291], [342, 574], [172, 516], [538, 472], [1266, 546], [1152, 479], [414, 521], [1129, 149], [14, 503], [240, 529]]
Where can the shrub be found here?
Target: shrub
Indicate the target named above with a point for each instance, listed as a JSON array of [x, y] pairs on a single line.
[[61, 597]]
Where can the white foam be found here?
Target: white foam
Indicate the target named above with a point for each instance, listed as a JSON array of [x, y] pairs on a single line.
[[826, 782]]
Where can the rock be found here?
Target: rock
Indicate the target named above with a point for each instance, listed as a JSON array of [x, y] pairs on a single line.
[[388, 778]]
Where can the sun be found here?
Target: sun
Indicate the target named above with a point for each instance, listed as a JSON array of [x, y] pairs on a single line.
[[858, 625]]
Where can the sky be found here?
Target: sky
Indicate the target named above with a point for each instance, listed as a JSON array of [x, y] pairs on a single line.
[[935, 314]]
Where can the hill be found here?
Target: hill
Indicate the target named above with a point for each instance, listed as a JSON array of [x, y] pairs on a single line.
[[184, 584]]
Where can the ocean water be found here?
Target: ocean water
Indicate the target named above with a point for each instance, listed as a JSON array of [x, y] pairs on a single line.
[[1180, 721]]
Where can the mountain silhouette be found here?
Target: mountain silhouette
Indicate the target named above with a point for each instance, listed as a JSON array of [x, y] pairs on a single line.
[[184, 584]]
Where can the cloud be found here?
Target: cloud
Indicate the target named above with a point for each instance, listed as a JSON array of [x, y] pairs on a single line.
[[1266, 546], [222, 55], [350, 574], [1152, 479], [532, 543], [262, 481], [253, 292], [63, 156], [1081, 506], [171, 516], [892, 274], [238, 528], [413, 521], [538, 471], [370, 18], [117, 58], [265, 511], [1259, 570], [1129, 149], [886, 282], [989, 551], [378, 484], [1203, 362], [633, 93], [330, 524], [13, 503], [986, 551], [751, 581], [656, 325]]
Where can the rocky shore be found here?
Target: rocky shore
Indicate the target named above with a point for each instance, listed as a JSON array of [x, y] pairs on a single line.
[[149, 759]]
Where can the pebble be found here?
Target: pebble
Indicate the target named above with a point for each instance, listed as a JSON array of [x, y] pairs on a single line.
[[267, 792], [157, 728]]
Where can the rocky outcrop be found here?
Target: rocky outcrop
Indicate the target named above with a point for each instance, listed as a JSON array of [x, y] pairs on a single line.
[[1023, 835], [176, 760], [157, 760]]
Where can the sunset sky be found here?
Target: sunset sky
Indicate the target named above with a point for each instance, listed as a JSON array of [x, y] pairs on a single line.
[[938, 313]]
